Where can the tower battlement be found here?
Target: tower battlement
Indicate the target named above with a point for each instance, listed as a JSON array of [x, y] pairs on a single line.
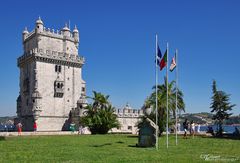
[[51, 33], [127, 111], [63, 40]]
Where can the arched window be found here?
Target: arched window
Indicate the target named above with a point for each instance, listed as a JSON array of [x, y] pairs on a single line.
[[61, 85], [56, 68], [59, 68], [58, 85]]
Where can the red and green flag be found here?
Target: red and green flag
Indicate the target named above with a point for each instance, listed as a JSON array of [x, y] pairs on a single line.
[[163, 62]]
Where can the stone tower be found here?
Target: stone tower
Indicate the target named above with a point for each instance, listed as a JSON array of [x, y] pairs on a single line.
[[51, 81]]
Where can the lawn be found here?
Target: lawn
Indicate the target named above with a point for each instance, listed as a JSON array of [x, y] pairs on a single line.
[[115, 148]]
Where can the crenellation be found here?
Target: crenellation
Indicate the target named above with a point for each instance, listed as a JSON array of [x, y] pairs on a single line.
[[51, 33], [129, 112]]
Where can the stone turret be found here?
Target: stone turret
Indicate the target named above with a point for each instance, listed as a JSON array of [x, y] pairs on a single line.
[[36, 101], [24, 33], [66, 31], [19, 105], [39, 26], [76, 34]]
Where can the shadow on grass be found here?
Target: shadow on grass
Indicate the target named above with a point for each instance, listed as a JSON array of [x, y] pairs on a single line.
[[132, 136], [2, 138], [136, 146], [101, 145], [133, 146], [120, 142], [225, 136]]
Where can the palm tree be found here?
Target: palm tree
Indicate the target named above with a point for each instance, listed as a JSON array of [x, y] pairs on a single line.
[[100, 116], [99, 100], [162, 103]]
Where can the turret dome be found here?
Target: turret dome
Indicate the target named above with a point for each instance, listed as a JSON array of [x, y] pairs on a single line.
[[39, 21], [25, 31], [75, 30], [66, 28]]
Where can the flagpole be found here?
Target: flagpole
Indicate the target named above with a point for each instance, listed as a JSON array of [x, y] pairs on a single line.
[[176, 110], [167, 95], [156, 109]]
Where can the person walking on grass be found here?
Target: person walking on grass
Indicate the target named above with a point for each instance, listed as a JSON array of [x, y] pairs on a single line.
[[185, 128], [80, 130], [192, 128], [198, 128], [19, 128], [72, 127], [34, 126]]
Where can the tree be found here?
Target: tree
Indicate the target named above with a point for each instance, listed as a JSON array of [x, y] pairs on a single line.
[[100, 116], [162, 104], [220, 107]]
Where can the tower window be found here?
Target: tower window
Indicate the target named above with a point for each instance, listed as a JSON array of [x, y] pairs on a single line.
[[129, 127], [58, 68], [58, 88], [83, 89]]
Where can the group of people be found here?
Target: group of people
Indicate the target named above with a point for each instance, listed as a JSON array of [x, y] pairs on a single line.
[[19, 127], [191, 127], [81, 129]]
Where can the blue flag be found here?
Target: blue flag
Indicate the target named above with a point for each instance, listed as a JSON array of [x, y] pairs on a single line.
[[159, 55]]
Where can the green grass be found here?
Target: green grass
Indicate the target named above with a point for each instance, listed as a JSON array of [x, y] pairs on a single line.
[[114, 148]]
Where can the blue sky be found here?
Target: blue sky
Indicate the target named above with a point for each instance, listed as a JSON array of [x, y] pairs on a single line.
[[117, 38]]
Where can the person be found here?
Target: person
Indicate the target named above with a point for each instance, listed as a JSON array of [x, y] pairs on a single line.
[[198, 128], [210, 130], [236, 132], [72, 127], [178, 127], [185, 128], [80, 130], [192, 128], [6, 128], [19, 128], [34, 126]]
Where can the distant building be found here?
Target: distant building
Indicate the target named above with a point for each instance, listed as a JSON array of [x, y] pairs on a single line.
[[128, 118], [51, 81]]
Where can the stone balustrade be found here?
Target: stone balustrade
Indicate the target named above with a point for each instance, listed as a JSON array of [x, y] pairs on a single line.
[[52, 56]]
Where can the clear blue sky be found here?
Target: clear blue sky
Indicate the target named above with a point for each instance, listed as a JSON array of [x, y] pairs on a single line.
[[117, 38]]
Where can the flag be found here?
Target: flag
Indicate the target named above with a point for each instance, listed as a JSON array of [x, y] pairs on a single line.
[[173, 64], [159, 55], [163, 62]]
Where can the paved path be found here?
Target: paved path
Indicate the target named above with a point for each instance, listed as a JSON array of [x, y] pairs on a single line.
[[38, 133]]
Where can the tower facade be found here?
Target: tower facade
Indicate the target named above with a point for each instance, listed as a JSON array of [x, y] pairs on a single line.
[[51, 81]]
